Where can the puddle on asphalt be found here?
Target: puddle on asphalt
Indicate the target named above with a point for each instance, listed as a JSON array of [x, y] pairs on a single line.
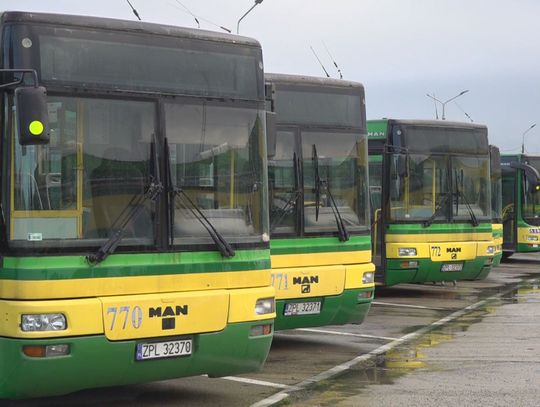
[[402, 360], [528, 293]]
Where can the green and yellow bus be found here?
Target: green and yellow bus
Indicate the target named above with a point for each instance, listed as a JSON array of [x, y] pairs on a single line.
[[521, 203], [135, 222], [319, 220], [496, 202], [430, 200]]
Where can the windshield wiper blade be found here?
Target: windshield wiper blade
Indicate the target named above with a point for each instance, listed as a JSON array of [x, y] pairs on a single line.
[[130, 213], [223, 246], [439, 206], [474, 220], [342, 230]]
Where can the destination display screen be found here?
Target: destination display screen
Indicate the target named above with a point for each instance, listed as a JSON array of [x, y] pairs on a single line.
[[140, 62], [442, 139], [315, 106]]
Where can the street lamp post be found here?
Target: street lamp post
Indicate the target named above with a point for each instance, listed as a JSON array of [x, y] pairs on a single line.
[[443, 104], [523, 138], [257, 2]]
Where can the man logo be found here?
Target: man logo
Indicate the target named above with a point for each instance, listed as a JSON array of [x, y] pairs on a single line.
[[168, 315], [453, 250], [305, 283], [305, 280]]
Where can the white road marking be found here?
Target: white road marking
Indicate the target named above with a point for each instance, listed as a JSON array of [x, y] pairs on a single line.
[[395, 304], [336, 370], [257, 382], [324, 331]]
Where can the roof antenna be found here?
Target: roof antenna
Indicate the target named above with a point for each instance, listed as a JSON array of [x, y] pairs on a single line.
[[134, 11], [464, 112], [190, 13], [197, 18], [435, 103], [322, 66], [333, 60]]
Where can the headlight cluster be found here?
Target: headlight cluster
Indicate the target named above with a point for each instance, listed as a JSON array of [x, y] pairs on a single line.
[[368, 277], [491, 249], [407, 251], [265, 306], [43, 322]]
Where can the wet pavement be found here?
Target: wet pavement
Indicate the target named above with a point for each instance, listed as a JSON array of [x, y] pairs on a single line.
[[474, 343], [488, 357]]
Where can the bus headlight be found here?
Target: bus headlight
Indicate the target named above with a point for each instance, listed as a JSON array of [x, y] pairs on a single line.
[[43, 322], [407, 251], [368, 277], [532, 238], [265, 306], [491, 249]]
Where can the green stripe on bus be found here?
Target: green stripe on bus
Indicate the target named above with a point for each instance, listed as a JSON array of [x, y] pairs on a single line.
[[131, 265], [438, 228], [319, 245]]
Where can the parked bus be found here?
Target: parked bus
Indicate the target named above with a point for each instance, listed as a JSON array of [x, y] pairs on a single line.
[[430, 200], [521, 203], [496, 202], [134, 204], [319, 220]]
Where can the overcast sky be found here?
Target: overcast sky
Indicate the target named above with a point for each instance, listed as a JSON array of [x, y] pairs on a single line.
[[399, 49]]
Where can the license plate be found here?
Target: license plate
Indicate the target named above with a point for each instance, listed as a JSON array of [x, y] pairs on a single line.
[[168, 349], [452, 267], [302, 308]]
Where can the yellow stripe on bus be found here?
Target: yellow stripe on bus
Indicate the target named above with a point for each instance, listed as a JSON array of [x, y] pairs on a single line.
[[320, 259], [95, 287], [438, 237]]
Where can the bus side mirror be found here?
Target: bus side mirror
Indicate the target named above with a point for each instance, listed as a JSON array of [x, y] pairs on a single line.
[[270, 134], [32, 117]]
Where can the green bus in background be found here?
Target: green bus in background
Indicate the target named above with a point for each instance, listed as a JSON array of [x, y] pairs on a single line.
[[496, 202], [319, 219], [521, 203], [430, 201], [134, 229]]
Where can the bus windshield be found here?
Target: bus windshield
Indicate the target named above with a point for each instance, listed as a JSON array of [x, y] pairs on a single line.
[[496, 186], [216, 158], [531, 198], [106, 146], [72, 190], [439, 176], [343, 172]]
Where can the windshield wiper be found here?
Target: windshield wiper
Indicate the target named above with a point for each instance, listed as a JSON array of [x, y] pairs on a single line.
[[474, 220], [316, 180], [223, 246], [293, 199], [130, 213], [342, 230], [459, 193], [438, 207]]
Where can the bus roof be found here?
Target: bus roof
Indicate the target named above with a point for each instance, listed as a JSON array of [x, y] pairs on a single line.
[[431, 123], [303, 80], [124, 25]]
